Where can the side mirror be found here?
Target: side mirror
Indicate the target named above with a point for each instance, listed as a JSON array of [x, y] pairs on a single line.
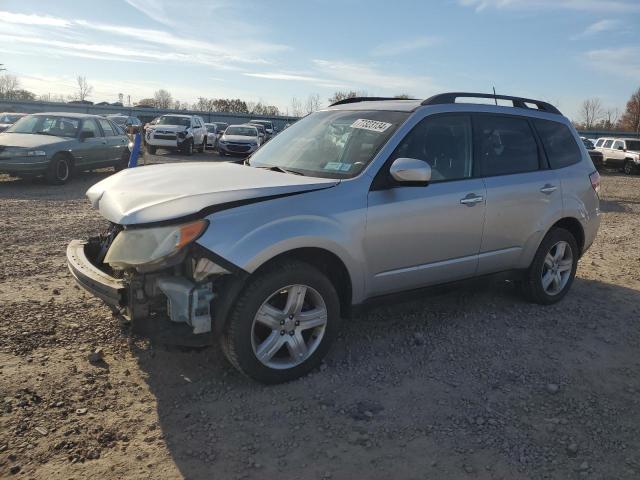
[[411, 171], [84, 134]]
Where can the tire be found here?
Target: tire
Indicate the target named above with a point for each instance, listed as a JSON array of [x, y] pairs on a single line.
[[151, 149], [188, 147], [59, 170], [289, 345], [629, 167], [202, 147], [124, 161], [542, 268]]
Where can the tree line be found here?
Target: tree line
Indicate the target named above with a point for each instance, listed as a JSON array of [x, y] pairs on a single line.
[[593, 115]]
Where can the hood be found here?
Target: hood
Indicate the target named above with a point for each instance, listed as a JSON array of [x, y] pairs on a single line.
[[165, 192], [239, 139], [28, 140]]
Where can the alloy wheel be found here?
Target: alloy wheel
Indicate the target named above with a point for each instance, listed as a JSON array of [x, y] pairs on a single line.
[[289, 326], [557, 267]]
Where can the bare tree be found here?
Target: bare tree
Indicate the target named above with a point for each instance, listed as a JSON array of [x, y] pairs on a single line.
[[403, 96], [313, 103], [296, 107], [84, 89], [8, 84], [630, 120], [591, 112], [162, 98]]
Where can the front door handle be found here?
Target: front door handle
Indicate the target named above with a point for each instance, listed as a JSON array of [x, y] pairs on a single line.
[[471, 199], [548, 189]]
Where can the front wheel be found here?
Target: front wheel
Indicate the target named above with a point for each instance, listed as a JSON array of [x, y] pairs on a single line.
[[553, 268], [188, 147], [202, 147], [59, 170], [282, 323], [151, 149]]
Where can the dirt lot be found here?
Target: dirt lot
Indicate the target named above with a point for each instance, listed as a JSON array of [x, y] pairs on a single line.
[[470, 382]]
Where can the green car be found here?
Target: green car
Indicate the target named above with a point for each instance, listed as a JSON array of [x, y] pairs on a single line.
[[57, 144]]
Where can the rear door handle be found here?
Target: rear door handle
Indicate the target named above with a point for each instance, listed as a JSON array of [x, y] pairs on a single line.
[[548, 189], [471, 199]]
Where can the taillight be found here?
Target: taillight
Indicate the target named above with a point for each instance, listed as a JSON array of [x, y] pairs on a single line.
[[595, 181]]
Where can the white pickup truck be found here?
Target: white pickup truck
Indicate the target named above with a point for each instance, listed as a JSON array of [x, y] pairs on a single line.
[[621, 153], [177, 132]]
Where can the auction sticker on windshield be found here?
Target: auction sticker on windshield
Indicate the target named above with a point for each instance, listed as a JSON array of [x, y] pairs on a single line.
[[373, 125]]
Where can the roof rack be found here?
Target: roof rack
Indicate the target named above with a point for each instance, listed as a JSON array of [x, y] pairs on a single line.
[[364, 99], [518, 102]]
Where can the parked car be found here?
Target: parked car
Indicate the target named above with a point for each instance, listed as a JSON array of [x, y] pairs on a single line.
[[9, 118], [177, 132], [57, 144], [267, 124], [128, 123], [262, 133], [596, 155], [620, 153], [268, 256], [212, 135], [240, 140]]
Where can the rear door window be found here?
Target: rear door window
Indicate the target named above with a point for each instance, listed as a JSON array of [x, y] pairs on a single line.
[[505, 145], [558, 142], [106, 127]]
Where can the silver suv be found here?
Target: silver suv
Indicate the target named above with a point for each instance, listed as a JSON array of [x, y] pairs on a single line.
[[365, 198]]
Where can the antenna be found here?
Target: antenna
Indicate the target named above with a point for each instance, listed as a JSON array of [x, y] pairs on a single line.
[[495, 98]]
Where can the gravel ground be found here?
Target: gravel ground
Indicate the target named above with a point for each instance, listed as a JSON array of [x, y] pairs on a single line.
[[468, 382]]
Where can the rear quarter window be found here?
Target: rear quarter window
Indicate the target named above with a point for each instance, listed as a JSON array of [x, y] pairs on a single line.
[[559, 143]]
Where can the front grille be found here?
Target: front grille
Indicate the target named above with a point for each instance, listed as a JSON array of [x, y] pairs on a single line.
[[164, 137], [238, 147]]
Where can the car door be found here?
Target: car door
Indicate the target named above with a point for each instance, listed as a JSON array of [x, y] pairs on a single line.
[[618, 154], [607, 151], [115, 142], [198, 131], [91, 144], [422, 235], [522, 192]]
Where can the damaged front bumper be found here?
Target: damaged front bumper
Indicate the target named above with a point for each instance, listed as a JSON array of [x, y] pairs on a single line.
[[139, 296]]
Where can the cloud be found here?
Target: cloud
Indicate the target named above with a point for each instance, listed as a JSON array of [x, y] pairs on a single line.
[[600, 26], [359, 75], [283, 76], [406, 46], [620, 61], [609, 6], [22, 19]]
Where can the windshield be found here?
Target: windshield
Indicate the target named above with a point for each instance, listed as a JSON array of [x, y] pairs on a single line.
[[242, 131], [169, 120], [221, 125], [330, 144], [633, 145], [58, 126], [119, 120], [264, 123], [9, 118], [211, 128]]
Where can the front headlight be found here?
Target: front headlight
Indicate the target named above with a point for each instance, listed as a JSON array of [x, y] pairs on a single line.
[[21, 152], [141, 246]]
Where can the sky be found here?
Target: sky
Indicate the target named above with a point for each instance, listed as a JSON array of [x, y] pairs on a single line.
[[562, 51]]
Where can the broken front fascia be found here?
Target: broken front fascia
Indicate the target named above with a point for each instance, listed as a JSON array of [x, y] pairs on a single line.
[[165, 267]]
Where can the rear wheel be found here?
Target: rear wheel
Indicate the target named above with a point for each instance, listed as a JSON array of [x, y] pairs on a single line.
[[59, 170], [629, 167], [553, 268], [282, 323], [123, 162]]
